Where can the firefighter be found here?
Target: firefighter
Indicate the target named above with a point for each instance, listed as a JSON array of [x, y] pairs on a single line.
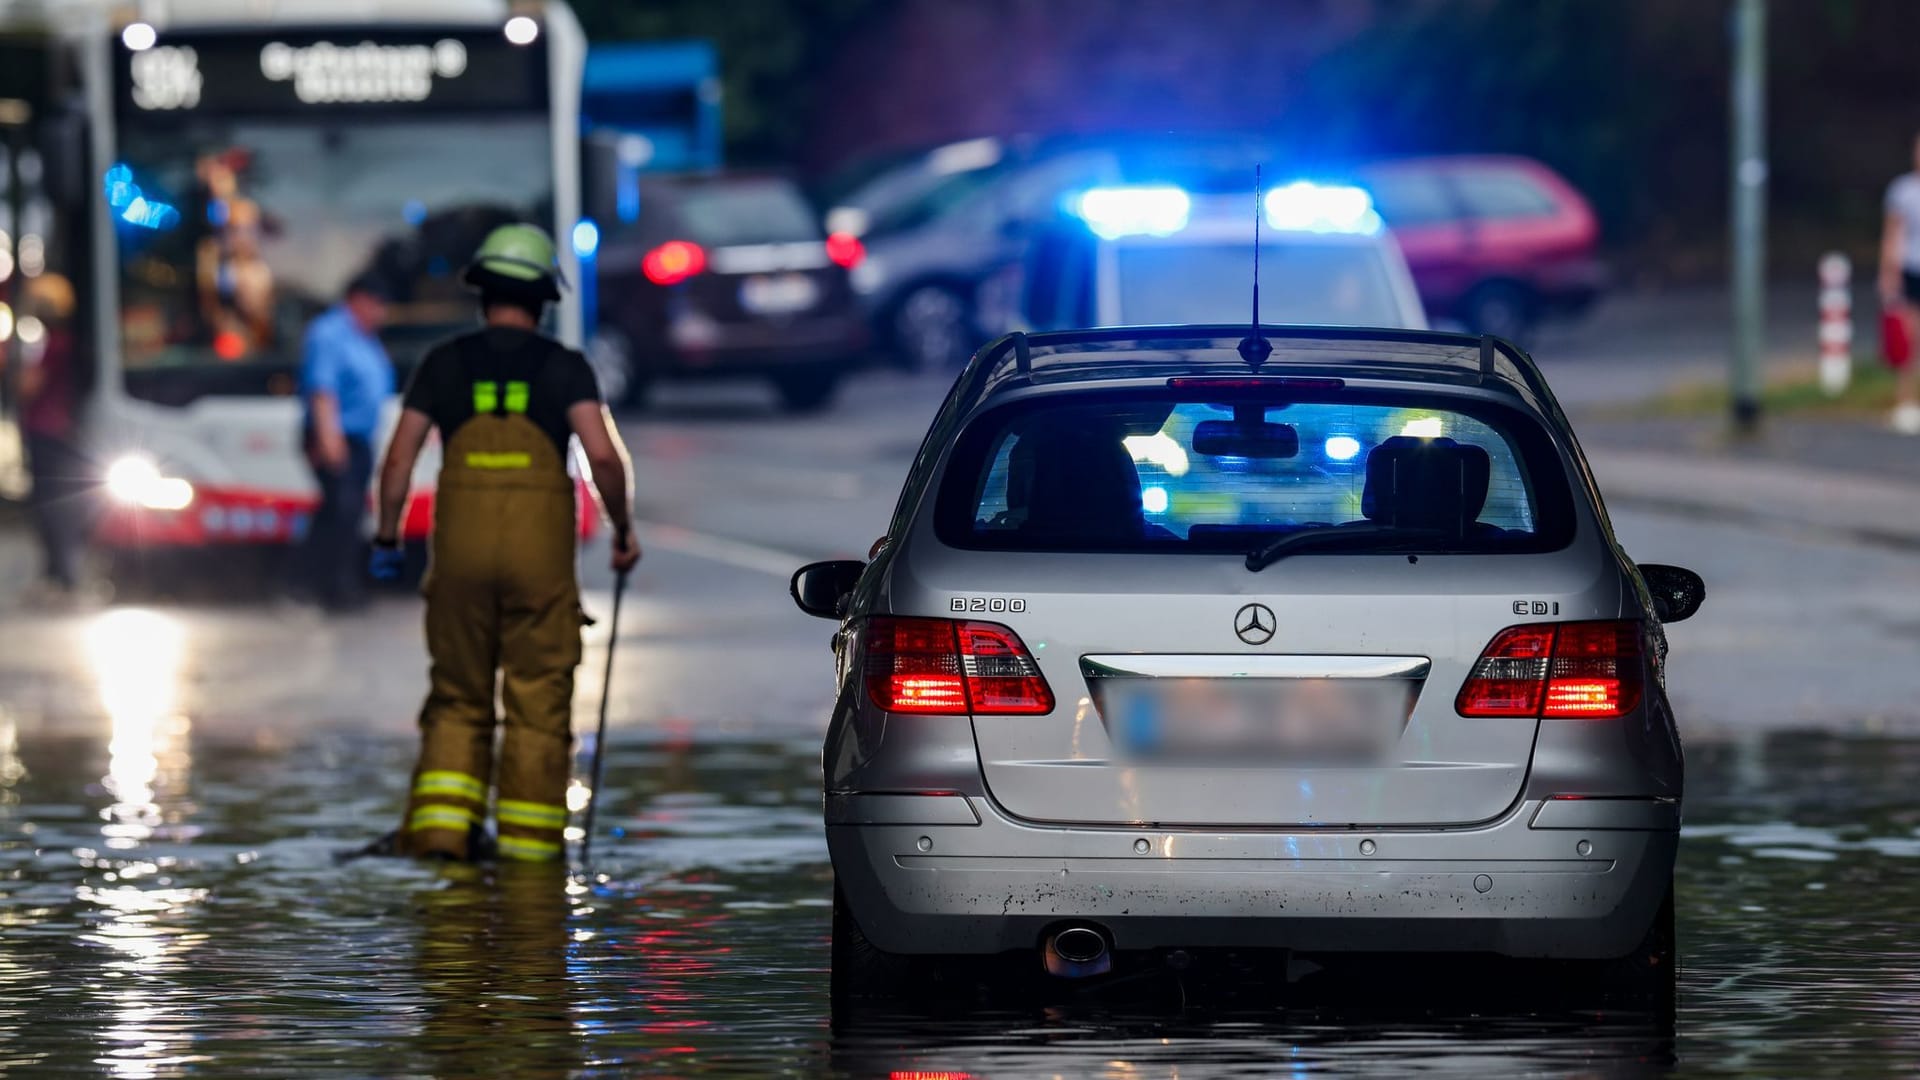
[[500, 589]]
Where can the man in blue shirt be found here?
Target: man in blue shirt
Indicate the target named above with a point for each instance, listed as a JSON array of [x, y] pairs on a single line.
[[346, 378]]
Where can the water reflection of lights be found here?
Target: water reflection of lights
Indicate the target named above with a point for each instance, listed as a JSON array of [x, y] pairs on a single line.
[[134, 928], [137, 659], [578, 796], [12, 771]]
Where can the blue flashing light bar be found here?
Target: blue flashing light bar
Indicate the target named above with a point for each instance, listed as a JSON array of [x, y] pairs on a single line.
[[1343, 448], [1133, 211], [1309, 207]]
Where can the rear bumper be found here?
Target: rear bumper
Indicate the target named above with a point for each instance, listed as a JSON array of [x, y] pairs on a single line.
[[952, 874]]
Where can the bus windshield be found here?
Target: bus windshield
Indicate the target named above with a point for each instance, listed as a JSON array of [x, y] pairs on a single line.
[[247, 228]]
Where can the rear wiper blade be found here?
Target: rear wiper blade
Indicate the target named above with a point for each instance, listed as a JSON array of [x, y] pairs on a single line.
[[1335, 537]]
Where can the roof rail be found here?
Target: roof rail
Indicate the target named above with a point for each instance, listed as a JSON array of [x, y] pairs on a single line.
[[1022, 346]]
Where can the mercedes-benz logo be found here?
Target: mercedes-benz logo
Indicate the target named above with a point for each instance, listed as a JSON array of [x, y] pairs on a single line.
[[1255, 624]]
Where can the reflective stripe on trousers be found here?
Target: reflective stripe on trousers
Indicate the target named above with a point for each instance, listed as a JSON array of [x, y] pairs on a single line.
[[446, 803]]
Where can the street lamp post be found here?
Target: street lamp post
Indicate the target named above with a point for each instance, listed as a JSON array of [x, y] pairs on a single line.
[[1749, 208]]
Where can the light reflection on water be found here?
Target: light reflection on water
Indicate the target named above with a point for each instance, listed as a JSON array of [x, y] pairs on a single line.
[[224, 939], [142, 930]]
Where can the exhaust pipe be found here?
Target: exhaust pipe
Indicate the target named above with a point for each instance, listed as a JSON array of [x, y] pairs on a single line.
[[1077, 952]]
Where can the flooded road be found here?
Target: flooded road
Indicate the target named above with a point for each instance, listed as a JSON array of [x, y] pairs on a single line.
[[175, 778], [170, 906]]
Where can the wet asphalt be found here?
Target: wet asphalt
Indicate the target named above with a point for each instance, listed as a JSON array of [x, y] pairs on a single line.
[[177, 770]]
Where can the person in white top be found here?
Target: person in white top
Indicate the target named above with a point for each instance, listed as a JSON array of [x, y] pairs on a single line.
[[1900, 285]]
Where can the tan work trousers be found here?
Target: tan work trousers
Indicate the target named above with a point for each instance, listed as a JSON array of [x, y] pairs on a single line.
[[503, 612]]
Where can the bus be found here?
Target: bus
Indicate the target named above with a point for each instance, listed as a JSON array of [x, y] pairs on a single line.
[[225, 167]]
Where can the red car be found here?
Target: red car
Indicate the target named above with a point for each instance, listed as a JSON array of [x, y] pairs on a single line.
[[1495, 243]]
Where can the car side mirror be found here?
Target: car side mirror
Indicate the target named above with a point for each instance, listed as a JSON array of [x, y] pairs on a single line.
[[1677, 591], [821, 589]]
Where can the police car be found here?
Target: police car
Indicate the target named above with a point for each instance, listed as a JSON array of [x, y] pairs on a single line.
[[1306, 638], [1154, 254]]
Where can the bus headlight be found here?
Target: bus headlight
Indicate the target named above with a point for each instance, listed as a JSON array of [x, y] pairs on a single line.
[[135, 480]]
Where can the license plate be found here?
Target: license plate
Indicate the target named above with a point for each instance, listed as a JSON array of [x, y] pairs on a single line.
[[778, 294], [1238, 721]]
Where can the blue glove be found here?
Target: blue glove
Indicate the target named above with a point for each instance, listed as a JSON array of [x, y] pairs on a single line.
[[387, 561]]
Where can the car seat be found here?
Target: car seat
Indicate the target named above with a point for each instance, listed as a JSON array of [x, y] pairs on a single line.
[[1079, 482], [1415, 483]]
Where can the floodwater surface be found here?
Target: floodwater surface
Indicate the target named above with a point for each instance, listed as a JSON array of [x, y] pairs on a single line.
[[169, 906]]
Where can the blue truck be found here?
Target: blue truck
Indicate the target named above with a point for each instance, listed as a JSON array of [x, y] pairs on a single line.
[[644, 107]]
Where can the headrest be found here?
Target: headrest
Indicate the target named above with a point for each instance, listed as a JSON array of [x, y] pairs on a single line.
[[1426, 483], [1076, 481]]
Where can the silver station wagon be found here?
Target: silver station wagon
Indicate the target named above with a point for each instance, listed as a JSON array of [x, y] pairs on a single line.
[[1317, 640]]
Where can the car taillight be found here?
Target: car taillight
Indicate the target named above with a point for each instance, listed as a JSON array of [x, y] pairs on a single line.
[[913, 666], [845, 249], [946, 668], [1596, 670], [1590, 669], [673, 262]]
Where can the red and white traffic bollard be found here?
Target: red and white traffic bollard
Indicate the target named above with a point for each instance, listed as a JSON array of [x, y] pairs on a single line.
[[1836, 323]]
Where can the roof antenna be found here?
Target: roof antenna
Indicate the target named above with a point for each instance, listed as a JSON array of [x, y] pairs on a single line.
[[1255, 349]]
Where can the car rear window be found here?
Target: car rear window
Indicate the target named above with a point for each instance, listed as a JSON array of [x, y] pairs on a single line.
[[1173, 473], [1410, 196], [746, 212], [1503, 193]]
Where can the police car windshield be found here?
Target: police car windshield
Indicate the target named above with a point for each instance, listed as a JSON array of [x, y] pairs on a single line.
[[1164, 282], [1127, 472]]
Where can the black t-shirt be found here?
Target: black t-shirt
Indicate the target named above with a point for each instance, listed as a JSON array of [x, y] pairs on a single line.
[[557, 379]]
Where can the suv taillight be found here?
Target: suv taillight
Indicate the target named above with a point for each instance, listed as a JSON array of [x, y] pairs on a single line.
[[845, 249], [673, 262], [1557, 670], [946, 668]]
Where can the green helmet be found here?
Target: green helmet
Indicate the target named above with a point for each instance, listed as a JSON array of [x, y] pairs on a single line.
[[517, 258]]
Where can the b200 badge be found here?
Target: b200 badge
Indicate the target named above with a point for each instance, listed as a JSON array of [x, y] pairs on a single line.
[[993, 605]]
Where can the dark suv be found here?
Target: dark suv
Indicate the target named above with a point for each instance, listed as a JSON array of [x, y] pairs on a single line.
[[1497, 244], [728, 275]]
